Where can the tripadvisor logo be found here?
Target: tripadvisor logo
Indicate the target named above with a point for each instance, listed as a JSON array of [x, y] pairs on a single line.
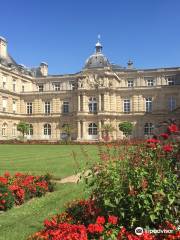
[[139, 231]]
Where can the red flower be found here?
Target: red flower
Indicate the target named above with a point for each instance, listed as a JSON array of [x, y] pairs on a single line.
[[3, 201], [3, 180], [95, 228], [164, 135], [100, 220], [6, 174], [152, 140], [173, 128], [168, 148], [112, 220]]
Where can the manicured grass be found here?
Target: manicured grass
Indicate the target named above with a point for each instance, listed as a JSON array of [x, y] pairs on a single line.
[[20, 222], [57, 160]]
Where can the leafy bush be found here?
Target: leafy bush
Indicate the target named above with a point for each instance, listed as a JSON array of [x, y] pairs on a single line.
[[83, 211], [6, 198], [23, 187], [139, 185], [126, 128]]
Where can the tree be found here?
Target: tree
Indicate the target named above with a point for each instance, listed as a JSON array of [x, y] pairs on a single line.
[[126, 128], [23, 127], [106, 130], [67, 130]]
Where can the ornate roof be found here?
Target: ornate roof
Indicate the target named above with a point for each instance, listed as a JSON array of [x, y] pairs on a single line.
[[97, 60]]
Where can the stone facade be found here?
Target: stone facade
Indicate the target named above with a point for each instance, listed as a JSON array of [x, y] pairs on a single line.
[[100, 93]]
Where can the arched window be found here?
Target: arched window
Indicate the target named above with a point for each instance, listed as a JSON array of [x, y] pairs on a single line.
[[47, 129], [92, 105], [4, 129], [92, 129], [30, 133], [14, 129], [148, 128]]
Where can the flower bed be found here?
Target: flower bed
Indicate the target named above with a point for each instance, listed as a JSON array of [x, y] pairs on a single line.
[[66, 226], [15, 190], [133, 186]]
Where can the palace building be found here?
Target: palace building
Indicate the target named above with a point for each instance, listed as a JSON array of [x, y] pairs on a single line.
[[100, 93]]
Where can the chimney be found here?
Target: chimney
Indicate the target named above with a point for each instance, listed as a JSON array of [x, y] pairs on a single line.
[[44, 69], [3, 47]]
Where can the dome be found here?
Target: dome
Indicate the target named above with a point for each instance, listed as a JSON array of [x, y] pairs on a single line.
[[97, 60]]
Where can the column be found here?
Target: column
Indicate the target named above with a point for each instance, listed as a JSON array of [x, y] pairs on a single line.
[[79, 103], [84, 130], [99, 129], [79, 130], [99, 102]]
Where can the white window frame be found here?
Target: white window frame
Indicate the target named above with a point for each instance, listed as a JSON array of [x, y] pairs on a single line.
[[148, 104], [14, 106], [65, 107], [4, 104], [92, 105], [4, 129], [170, 80], [148, 128], [92, 129], [29, 108], [130, 83], [47, 129], [47, 107], [171, 103], [126, 105]]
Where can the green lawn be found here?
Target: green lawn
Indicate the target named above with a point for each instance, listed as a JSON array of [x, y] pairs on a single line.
[[20, 222], [57, 160]]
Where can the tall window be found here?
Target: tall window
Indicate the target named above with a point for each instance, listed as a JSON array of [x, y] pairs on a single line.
[[72, 85], [57, 86], [171, 103], [92, 129], [4, 104], [47, 108], [14, 85], [65, 107], [150, 82], [41, 87], [47, 129], [149, 104], [23, 88], [30, 133], [127, 105], [92, 105], [102, 102], [29, 108], [4, 81], [130, 83], [170, 80], [148, 129], [14, 106], [4, 129], [14, 130]]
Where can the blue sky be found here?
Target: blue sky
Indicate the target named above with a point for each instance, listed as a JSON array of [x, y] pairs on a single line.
[[63, 32]]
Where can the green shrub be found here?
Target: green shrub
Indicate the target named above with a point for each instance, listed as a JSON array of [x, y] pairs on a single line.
[[139, 187], [6, 198]]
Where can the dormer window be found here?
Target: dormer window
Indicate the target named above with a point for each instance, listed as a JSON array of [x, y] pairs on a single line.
[[130, 83], [150, 81], [41, 87], [170, 80], [56, 86]]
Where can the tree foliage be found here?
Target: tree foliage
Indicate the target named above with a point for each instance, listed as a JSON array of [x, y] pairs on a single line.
[[126, 128], [23, 127]]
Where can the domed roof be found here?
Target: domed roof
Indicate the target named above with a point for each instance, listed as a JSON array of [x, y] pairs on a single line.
[[97, 60]]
